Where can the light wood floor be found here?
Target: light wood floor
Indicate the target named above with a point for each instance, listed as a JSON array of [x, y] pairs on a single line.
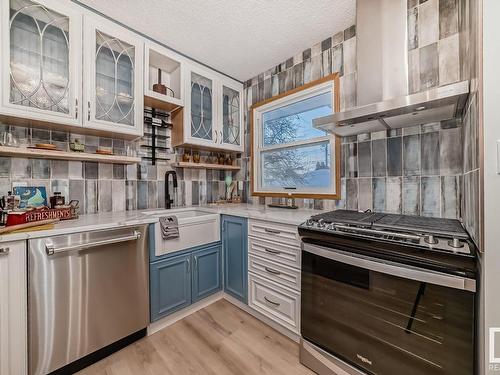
[[219, 339]]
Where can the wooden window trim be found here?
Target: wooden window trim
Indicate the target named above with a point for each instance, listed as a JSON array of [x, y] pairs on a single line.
[[334, 77]]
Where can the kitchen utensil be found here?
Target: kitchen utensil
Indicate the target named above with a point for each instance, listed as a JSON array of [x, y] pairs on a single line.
[[159, 87]]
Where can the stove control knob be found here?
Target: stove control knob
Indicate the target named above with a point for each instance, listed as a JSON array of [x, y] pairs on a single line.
[[309, 222], [321, 223], [331, 228], [456, 243], [429, 239]]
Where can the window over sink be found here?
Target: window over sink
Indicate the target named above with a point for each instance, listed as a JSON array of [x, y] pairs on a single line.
[[290, 157]]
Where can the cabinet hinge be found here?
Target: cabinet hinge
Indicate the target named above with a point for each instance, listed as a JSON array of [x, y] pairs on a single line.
[[76, 108], [88, 110]]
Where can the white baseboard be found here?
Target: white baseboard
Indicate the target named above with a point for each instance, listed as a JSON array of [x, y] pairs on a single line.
[[171, 319], [175, 317]]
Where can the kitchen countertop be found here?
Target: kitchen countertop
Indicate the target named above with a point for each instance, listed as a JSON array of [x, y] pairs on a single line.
[[110, 220]]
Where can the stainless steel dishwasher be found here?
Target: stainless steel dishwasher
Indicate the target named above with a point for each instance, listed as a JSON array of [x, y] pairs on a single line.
[[88, 296]]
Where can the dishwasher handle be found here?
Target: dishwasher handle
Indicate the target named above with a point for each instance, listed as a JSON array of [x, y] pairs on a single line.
[[50, 249]]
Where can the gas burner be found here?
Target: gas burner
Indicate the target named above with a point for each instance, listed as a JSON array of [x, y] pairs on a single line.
[[424, 232]]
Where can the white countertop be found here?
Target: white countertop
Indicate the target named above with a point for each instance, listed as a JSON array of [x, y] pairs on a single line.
[[110, 220]]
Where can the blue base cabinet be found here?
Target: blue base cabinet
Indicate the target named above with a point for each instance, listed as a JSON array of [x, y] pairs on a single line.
[[234, 248], [207, 276], [184, 278]]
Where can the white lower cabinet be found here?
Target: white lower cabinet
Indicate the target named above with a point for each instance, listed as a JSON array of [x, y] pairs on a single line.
[[13, 309], [275, 301], [274, 272]]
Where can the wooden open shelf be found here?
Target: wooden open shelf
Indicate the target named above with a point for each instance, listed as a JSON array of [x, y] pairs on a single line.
[[221, 167], [65, 155], [162, 102]]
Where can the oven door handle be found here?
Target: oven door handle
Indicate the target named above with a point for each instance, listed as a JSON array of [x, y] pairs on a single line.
[[392, 268]]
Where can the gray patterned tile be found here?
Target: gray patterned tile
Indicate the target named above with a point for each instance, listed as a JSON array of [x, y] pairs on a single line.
[[450, 153], [281, 82], [316, 67], [306, 54], [352, 194], [118, 171], [5, 164], [365, 159], [91, 196], [195, 193], [379, 158], [275, 88], [289, 79], [411, 155], [298, 75], [411, 195], [414, 71], [77, 192], [142, 195], [40, 168], [351, 155], [60, 169], [105, 171], [449, 60], [350, 32], [430, 154], [91, 170], [393, 198], [267, 88], [338, 59], [348, 90], [118, 195], [105, 203], [337, 38], [448, 18], [20, 168], [431, 193], [365, 199], [429, 66], [450, 197], [307, 70], [130, 195], [379, 199], [412, 28], [152, 194], [349, 51], [394, 156], [327, 62], [428, 23], [326, 44]]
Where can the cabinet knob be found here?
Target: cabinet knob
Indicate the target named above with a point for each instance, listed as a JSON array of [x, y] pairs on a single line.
[[4, 250]]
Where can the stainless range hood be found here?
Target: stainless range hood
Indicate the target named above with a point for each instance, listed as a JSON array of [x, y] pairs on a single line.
[[382, 78]]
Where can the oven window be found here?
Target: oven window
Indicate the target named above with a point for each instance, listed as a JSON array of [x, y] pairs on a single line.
[[384, 324]]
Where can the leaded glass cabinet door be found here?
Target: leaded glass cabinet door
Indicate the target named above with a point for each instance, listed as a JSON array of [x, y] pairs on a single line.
[[202, 109], [115, 90], [231, 133], [42, 53]]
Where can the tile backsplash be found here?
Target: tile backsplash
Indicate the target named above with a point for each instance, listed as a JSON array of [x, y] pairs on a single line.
[[417, 170]]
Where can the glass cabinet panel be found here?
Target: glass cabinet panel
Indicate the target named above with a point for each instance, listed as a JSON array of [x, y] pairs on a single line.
[[231, 121], [39, 57], [114, 61], [201, 107]]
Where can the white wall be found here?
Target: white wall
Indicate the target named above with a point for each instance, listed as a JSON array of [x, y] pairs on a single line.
[[491, 113]]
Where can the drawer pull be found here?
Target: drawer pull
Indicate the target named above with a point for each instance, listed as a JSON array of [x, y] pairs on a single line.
[[4, 250], [270, 270], [270, 251], [274, 231], [272, 302]]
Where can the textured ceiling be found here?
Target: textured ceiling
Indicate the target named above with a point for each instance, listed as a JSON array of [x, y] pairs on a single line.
[[241, 38]]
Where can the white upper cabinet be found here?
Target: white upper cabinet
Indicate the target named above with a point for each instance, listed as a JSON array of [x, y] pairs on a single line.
[[231, 133], [163, 78], [201, 108], [212, 112], [41, 59], [113, 77]]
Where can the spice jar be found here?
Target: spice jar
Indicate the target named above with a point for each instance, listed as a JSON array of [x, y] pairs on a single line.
[[57, 200]]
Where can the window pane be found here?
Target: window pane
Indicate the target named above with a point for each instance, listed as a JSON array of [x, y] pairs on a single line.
[[297, 167], [293, 122]]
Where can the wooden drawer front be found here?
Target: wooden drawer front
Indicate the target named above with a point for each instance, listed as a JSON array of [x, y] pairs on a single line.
[[277, 303], [282, 233], [279, 273], [285, 254]]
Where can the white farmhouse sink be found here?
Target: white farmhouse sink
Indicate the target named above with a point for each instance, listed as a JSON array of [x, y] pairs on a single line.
[[196, 228]]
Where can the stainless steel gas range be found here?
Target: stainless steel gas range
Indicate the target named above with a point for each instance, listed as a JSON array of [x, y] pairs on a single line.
[[387, 294]]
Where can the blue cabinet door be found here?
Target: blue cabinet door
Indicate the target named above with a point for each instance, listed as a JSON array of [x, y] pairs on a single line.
[[206, 272], [234, 245], [170, 285]]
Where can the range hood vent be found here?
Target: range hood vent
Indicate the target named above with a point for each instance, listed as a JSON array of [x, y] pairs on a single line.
[[382, 78]]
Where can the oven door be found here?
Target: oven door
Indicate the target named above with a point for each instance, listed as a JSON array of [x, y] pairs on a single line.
[[387, 318]]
